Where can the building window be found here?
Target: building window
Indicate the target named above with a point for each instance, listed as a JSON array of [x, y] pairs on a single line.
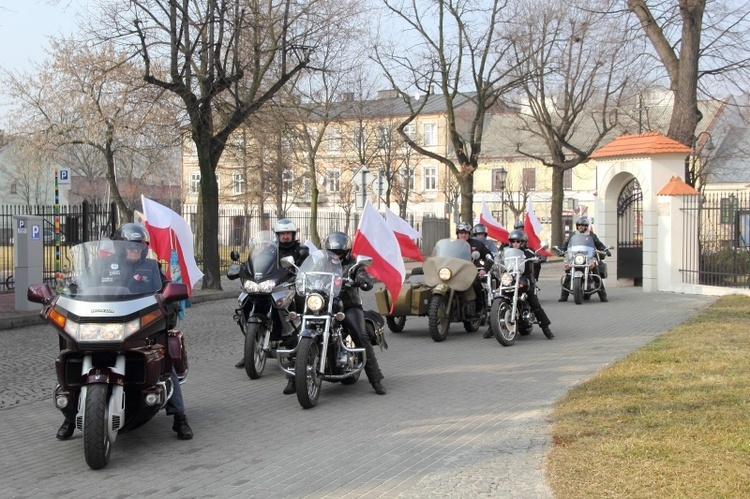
[[359, 138], [529, 179], [498, 182], [287, 179], [568, 179], [194, 182], [334, 139], [430, 134], [407, 174], [333, 180], [411, 130], [728, 207], [430, 178], [14, 187], [238, 183]]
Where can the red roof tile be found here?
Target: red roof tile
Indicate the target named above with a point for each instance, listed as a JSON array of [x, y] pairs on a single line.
[[647, 143], [676, 187]]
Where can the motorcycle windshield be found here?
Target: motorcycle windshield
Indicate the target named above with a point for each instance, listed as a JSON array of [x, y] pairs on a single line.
[[581, 243], [321, 272], [514, 260], [264, 255], [491, 246], [112, 270], [455, 248]]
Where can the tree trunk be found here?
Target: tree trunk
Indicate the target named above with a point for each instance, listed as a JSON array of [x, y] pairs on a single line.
[[209, 211], [556, 208], [466, 183]]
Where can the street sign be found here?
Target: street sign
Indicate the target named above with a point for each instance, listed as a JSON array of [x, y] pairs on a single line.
[[63, 178]]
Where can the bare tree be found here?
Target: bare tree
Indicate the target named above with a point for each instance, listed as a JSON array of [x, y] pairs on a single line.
[[461, 49], [27, 171], [90, 97], [575, 70], [224, 61]]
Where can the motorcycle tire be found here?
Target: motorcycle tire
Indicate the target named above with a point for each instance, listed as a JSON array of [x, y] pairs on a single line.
[[500, 315], [96, 443], [473, 325], [578, 290], [396, 323], [255, 356], [439, 318], [307, 377]]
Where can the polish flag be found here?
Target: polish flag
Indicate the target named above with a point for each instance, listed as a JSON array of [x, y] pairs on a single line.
[[533, 227], [494, 229], [169, 231], [375, 239], [405, 234]]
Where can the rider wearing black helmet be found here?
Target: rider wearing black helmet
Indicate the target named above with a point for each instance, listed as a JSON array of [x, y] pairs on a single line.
[[340, 245], [483, 263], [582, 226], [134, 271], [518, 239]]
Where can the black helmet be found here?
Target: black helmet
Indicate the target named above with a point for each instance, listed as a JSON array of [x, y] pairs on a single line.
[[583, 221], [286, 225], [519, 225], [517, 235], [478, 230], [338, 243], [134, 233], [463, 227]]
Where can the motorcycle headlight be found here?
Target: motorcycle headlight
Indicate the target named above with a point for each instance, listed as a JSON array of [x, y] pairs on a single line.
[[315, 303], [506, 279], [445, 274], [92, 332], [262, 287], [579, 259]]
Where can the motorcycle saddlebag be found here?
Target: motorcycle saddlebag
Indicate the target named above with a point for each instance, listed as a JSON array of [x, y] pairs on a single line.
[[177, 352], [375, 328], [420, 299], [602, 267]]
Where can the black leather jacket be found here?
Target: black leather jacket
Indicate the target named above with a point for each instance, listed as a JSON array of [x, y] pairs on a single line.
[[350, 294]]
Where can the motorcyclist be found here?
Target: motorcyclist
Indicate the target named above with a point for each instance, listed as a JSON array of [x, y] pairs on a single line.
[[288, 245], [136, 272], [582, 226], [518, 239], [479, 231], [340, 245], [483, 263]]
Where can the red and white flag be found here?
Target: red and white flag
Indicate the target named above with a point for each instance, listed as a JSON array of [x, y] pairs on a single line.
[[405, 235], [169, 231], [375, 239], [533, 227], [494, 229]]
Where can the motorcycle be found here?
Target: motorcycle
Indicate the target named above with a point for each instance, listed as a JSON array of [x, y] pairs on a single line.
[[265, 300], [585, 269], [324, 351], [450, 273], [511, 314], [114, 370]]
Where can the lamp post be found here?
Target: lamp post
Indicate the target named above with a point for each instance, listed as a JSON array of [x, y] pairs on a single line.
[[502, 176]]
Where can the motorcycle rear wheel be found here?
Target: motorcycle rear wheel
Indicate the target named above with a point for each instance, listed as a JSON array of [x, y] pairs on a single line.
[[96, 443], [578, 290], [307, 379], [500, 316], [439, 318], [255, 356], [396, 323]]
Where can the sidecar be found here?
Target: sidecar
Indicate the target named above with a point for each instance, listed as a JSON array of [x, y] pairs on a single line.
[[414, 299]]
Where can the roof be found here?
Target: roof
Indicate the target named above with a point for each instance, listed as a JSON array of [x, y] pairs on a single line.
[[676, 187], [646, 143], [729, 162]]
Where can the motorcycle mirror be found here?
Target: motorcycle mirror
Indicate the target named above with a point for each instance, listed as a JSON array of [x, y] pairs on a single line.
[[235, 256], [233, 272], [364, 260], [543, 246], [287, 262], [475, 255], [175, 291], [39, 293]]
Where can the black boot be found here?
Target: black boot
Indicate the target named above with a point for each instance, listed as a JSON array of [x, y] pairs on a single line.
[[240, 364], [290, 387], [563, 296], [603, 294], [66, 430], [488, 334], [379, 388], [547, 332], [181, 426]]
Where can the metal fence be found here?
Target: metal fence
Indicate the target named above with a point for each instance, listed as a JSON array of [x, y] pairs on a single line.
[[87, 222], [723, 235]]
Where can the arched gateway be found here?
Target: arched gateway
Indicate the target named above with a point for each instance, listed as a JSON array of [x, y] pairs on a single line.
[[630, 232]]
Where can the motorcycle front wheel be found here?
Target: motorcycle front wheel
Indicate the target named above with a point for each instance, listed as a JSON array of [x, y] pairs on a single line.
[[307, 377], [255, 356], [500, 317], [96, 443], [578, 290], [439, 317], [473, 325]]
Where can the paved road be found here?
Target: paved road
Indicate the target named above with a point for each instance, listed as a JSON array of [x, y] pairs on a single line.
[[463, 418]]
